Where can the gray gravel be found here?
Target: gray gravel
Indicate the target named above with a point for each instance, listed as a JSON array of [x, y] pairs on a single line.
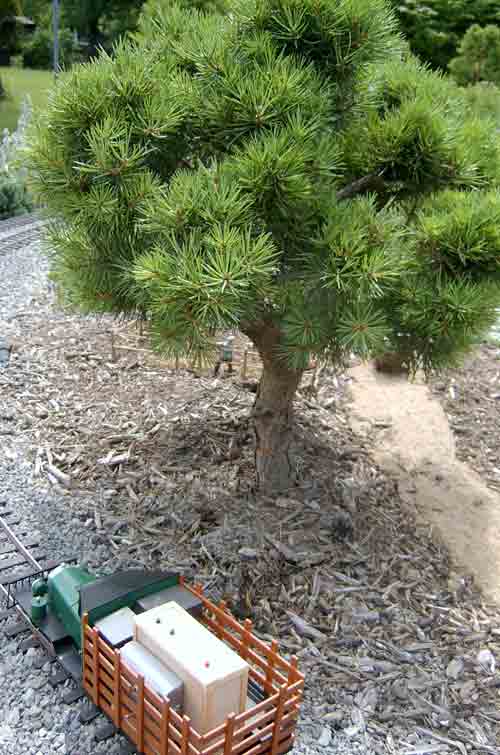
[[33, 718]]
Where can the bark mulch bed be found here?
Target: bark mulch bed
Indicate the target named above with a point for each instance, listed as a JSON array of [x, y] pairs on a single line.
[[400, 653], [470, 396]]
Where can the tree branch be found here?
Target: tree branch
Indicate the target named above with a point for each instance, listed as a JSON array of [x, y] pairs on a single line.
[[372, 181]]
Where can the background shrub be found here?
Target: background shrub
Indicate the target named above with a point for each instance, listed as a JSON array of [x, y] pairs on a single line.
[[38, 49], [478, 56], [15, 198], [8, 32], [484, 100], [434, 28]]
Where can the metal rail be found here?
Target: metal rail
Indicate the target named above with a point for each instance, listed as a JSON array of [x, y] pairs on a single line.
[[19, 232], [26, 565], [7, 586], [4, 527]]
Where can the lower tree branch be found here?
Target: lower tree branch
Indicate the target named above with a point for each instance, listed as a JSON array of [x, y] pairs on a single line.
[[373, 181]]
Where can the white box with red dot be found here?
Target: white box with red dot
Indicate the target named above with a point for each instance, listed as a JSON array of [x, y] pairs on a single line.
[[215, 677]]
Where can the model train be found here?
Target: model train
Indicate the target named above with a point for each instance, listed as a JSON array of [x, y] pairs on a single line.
[[172, 670]]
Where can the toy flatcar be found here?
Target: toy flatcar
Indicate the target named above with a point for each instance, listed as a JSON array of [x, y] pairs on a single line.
[[169, 668]]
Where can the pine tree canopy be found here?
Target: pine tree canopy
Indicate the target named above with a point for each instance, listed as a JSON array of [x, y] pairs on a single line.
[[155, 12], [284, 168], [285, 164]]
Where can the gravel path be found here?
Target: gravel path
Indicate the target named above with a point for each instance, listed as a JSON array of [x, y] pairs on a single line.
[[33, 718]]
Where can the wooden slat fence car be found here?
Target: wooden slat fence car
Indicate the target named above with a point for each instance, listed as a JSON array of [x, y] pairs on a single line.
[[157, 729]]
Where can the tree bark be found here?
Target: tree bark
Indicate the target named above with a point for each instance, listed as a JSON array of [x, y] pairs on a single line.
[[272, 416]]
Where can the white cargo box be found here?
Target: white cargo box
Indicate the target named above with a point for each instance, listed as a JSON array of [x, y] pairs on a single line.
[[215, 677]]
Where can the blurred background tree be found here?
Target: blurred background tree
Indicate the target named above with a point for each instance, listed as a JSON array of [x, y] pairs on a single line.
[[9, 9], [99, 22], [435, 28], [478, 58], [37, 9], [37, 50], [102, 21]]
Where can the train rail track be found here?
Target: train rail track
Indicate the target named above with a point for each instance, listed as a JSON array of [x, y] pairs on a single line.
[[18, 232], [22, 561]]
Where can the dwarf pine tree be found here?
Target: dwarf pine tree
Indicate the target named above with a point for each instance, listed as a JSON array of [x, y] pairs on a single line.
[[284, 169]]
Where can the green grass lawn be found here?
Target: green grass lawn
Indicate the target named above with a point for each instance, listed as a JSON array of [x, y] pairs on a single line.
[[19, 82]]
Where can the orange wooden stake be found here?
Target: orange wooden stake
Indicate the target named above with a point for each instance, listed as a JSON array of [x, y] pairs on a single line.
[[277, 719], [228, 748], [164, 727], [186, 726], [140, 714], [95, 654], [116, 701]]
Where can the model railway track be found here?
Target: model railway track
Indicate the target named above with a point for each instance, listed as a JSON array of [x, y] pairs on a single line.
[[25, 561], [19, 232], [22, 561]]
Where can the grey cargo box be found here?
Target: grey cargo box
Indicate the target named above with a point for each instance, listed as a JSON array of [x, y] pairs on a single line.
[[156, 675], [118, 627], [185, 598]]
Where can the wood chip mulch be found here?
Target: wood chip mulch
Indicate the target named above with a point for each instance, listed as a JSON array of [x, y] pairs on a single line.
[[396, 647], [471, 398]]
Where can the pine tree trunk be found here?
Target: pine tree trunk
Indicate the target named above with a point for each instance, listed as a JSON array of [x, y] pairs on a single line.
[[272, 418]]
